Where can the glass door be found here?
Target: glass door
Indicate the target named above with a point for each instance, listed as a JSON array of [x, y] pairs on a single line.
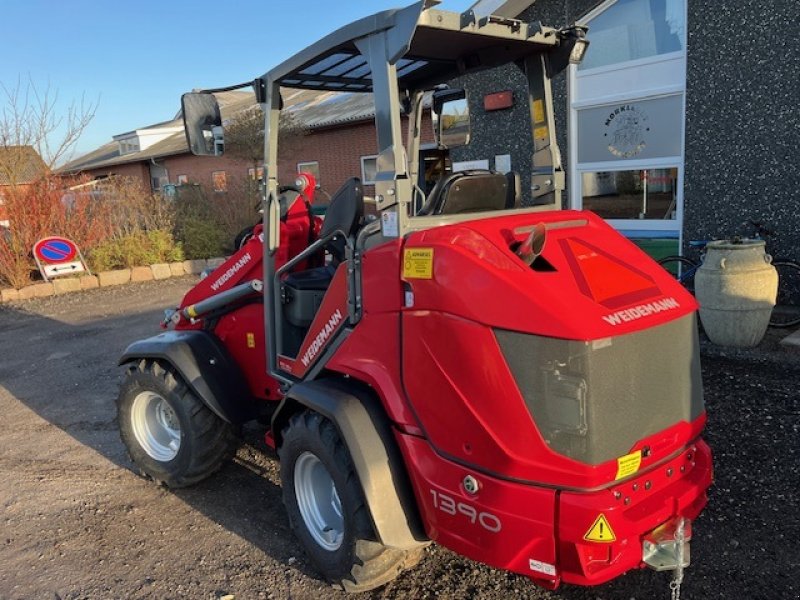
[[626, 126]]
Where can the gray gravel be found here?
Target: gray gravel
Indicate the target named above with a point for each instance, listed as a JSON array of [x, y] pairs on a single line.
[[77, 523]]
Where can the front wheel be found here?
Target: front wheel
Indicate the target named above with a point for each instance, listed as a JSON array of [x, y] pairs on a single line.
[[327, 511], [787, 306], [171, 435]]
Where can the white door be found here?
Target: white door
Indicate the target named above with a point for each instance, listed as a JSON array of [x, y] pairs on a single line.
[[626, 116]]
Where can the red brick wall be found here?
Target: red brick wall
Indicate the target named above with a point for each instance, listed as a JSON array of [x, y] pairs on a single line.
[[198, 169], [137, 170], [338, 150]]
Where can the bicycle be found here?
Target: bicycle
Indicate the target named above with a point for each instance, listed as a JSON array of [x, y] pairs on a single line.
[[787, 307]]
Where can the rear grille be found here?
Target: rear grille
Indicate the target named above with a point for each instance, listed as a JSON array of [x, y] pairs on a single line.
[[592, 401]]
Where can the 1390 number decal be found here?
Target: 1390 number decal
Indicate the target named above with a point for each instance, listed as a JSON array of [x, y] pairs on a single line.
[[447, 504]]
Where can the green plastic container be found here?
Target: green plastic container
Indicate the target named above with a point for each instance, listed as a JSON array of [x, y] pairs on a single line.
[[657, 248]]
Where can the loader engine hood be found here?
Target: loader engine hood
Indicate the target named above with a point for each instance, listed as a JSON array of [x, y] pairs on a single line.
[[557, 369], [589, 283]]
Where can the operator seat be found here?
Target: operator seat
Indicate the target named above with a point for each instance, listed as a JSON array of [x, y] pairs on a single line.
[[344, 213], [475, 190], [302, 291]]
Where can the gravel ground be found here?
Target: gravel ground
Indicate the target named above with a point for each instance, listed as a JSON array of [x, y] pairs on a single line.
[[76, 522]]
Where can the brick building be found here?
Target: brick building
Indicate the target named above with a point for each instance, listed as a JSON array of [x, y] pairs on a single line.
[[340, 142]]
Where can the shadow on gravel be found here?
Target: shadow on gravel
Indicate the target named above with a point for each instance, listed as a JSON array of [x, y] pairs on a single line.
[[68, 375]]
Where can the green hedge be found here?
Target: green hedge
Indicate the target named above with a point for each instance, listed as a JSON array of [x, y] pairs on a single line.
[[135, 250]]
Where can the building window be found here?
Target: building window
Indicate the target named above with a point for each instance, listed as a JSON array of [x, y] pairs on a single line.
[[632, 29], [627, 117], [309, 167], [220, 181], [631, 194], [369, 168], [256, 174], [183, 179], [128, 146]]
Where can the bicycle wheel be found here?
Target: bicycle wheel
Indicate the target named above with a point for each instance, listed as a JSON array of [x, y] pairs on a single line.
[[682, 269], [787, 307]]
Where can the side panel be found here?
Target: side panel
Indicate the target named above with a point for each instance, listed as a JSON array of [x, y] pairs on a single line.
[[506, 525], [242, 333], [372, 351]]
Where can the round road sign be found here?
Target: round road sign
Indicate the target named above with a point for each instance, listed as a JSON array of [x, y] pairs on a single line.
[[55, 250]]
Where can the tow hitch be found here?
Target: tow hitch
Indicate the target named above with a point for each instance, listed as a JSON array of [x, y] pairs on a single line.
[[666, 548]]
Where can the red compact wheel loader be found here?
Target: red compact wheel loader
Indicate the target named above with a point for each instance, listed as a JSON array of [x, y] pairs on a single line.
[[516, 382]]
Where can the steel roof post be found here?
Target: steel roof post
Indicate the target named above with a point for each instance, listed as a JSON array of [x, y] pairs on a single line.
[[392, 186], [272, 325], [547, 175]]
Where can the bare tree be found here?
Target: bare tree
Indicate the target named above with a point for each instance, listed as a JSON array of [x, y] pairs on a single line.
[[31, 118], [244, 134]]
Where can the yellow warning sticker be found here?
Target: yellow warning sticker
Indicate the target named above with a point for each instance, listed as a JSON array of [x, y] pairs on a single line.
[[538, 111], [600, 531], [251, 340], [540, 133], [418, 263], [628, 464]]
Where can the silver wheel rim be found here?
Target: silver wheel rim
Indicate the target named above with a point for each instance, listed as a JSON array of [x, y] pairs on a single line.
[[318, 501], [155, 426]]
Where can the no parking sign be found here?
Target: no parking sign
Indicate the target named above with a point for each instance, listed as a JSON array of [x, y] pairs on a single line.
[[57, 256]]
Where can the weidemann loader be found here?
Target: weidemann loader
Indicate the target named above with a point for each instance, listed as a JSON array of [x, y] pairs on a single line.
[[516, 382]]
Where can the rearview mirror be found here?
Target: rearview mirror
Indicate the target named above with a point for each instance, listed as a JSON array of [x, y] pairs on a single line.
[[451, 118], [202, 121]]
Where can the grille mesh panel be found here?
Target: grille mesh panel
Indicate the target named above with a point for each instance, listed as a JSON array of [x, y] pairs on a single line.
[[592, 401]]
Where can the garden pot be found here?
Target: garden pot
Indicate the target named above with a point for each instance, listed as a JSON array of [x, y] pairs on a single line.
[[736, 287]]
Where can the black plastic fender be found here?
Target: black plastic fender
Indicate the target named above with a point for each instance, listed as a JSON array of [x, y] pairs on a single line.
[[205, 365], [367, 432]]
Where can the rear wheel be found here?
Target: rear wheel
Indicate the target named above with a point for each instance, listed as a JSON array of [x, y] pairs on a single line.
[[787, 307], [170, 434], [327, 511], [681, 268]]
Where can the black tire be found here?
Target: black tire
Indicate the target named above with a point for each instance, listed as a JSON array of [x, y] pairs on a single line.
[[204, 441], [787, 307], [682, 268], [360, 562]]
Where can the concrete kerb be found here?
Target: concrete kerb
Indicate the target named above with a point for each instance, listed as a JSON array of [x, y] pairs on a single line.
[[109, 278]]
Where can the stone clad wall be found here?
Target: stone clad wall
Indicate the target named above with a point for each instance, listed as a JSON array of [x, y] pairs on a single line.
[[742, 116], [743, 121]]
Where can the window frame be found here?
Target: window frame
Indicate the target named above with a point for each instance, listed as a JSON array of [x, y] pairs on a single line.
[[365, 158], [222, 189], [302, 164], [596, 87]]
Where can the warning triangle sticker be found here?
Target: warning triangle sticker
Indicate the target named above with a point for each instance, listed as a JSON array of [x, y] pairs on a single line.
[[600, 531]]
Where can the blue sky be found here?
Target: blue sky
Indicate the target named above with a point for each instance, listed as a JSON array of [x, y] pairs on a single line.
[[135, 59]]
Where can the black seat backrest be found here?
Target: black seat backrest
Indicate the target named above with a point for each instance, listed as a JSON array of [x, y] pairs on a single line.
[[344, 213], [467, 191]]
